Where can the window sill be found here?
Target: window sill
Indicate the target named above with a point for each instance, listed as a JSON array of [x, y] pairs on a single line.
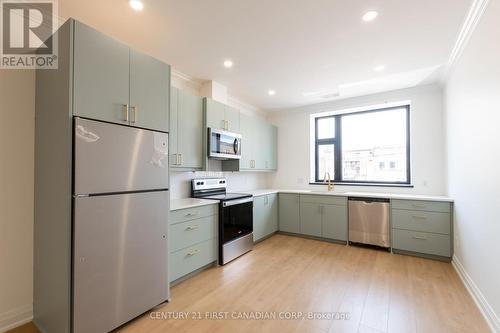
[[363, 184]]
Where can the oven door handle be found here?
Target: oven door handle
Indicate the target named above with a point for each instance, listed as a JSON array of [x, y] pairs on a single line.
[[236, 202]]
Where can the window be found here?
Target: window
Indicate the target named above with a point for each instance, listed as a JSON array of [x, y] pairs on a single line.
[[370, 146]]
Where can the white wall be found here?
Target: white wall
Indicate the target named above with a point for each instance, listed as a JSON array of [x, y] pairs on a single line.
[[180, 182], [427, 141], [472, 102], [17, 114]]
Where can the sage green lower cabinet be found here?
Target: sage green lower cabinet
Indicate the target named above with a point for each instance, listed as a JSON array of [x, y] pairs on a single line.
[[334, 222], [310, 219], [422, 227], [323, 216], [289, 214], [422, 242], [192, 239], [265, 216]]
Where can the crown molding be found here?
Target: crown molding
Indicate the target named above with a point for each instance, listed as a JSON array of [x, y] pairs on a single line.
[[188, 80], [239, 104], [470, 23], [180, 79]]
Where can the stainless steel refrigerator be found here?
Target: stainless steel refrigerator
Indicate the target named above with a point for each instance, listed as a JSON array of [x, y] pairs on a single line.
[[120, 223]]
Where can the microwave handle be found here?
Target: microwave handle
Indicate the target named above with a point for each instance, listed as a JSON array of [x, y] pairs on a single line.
[[236, 146]]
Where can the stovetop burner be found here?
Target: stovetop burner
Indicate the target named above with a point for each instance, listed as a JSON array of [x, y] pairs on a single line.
[[226, 196], [215, 189]]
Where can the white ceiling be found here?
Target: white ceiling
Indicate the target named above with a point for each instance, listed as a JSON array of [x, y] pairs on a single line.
[[291, 46]]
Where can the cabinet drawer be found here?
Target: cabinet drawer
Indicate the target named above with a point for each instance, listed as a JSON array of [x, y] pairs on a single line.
[[323, 199], [421, 242], [421, 221], [429, 206], [188, 233], [188, 214], [190, 259]]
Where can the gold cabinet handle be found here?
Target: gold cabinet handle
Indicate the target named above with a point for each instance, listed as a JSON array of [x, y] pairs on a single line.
[[134, 111], [192, 227], [416, 217], [192, 253], [125, 108], [180, 159], [190, 214], [419, 238]]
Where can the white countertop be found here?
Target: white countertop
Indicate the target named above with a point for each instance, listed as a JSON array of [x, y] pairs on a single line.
[[177, 204], [191, 202], [257, 193]]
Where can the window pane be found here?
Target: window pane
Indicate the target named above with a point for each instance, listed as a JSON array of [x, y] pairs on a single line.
[[326, 128], [374, 146], [326, 161]]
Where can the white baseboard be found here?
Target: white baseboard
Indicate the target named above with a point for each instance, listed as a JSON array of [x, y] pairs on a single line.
[[15, 317], [478, 297]]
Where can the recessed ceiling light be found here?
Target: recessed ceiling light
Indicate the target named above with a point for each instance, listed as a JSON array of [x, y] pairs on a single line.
[[379, 68], [370, 16], [271, 92], [228, 63], [136, 5]]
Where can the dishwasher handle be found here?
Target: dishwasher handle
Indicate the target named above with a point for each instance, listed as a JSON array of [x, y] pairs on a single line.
[[369, 200]]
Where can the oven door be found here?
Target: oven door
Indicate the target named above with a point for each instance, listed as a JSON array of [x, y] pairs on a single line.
[[223, 145], [235, 229]]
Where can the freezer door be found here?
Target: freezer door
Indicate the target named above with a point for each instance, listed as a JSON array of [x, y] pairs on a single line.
[[120, 258], [112, 158]]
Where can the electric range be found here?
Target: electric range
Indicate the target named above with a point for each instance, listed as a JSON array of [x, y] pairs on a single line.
[[235, 217]]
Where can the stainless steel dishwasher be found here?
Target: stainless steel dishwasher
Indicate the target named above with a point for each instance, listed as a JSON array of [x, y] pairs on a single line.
[[369, 221]]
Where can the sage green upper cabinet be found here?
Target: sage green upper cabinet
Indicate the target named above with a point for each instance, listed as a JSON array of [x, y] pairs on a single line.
[[114, 83], [265, 216], [258, 144], [149, 92], [173, 121], [310, 219], [101, 76], [232, 116], [288, 207], [186, 131], [248, 143], [215, 113], [273, 148], [222, 116]]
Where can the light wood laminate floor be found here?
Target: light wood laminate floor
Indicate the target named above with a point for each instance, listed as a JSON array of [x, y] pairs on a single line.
[[381, 292]]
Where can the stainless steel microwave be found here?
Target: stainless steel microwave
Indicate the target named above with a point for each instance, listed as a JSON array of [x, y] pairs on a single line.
[[223, 145]]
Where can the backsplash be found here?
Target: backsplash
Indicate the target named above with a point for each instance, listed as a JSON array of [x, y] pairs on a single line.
[[180, 182]]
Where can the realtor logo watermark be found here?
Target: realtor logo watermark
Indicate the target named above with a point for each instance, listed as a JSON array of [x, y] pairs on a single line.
[[27, 34]]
